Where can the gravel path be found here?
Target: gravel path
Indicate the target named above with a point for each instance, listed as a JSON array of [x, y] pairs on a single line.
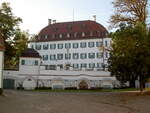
[[46, 102]]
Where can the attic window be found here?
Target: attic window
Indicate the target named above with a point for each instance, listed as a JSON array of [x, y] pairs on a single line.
[[91, 33], [75, 34], [60, 35], [68, 35], [83, 34], [46, 36]]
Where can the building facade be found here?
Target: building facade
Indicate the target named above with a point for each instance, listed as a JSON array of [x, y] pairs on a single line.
[[80, 45], [67, 55]]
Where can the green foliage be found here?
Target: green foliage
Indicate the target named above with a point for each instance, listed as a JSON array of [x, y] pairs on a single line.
[[15, 40], [130, 56]]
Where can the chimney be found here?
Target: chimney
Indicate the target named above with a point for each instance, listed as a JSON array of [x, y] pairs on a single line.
[[94, 16], [49, 21], [54, 21]]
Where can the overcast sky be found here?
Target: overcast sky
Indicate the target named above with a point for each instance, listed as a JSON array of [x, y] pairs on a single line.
[[35, 13]]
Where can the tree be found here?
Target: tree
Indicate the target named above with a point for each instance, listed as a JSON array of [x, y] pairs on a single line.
[[129, 12], [130, 56], [15, 40]]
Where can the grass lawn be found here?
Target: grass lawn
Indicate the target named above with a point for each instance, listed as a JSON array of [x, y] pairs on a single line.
[[94, 90]]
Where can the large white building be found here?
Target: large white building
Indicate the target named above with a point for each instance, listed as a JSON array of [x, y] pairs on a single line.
[[65, 55], [78, 45]]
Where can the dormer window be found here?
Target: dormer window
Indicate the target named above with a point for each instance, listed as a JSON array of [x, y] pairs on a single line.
[[75, 34], [68, 35], [46, 36], [83, 34], [91, 33], [60, 35]]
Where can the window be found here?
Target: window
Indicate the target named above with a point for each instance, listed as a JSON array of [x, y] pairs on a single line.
[[67, 45], [99, 65], [91, 65], [46, 36], [83, 55], [60, 46], [60, 35], [75, 55], [68, 35], [45, 47], [36, 62], [91, 44], [22, 62], [52, 46], [91, 33], [75, 45], [32, 46], [100, 55], [38, 47], [91, 55], [84, 65], [75, 34], [83, 44], [106, 54], [83, 34], [99, 44], [68, 56], [106, 44], [75, 65], [52, 57], [45, 57], [59, 56]]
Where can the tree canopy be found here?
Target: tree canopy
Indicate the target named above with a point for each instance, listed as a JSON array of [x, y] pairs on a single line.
[[15, 40], [129, 12]]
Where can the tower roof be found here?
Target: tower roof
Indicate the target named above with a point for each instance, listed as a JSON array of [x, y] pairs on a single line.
[[29, 52], [72, 31]]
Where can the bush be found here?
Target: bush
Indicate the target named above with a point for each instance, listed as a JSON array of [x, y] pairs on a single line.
[[70, 88]]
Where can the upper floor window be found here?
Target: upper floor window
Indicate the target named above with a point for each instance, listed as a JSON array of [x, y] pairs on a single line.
[[99, 65], [83, 44], [68, 56], [38, 47], [45, 57], [91, 55], [52, 46], [32, 46], [52, 57], [91, 44], [67, 45], [83, 55], [75, 55], [91, 33], [100, 55], [45, 47], [59, 56], [36, 62], [106, 44], [75, 45], [60, 46], [29, 62], [46, 36], [99, 44]]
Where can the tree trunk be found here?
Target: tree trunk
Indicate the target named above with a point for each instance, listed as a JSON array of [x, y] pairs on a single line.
[[141, 83], [132, 83]]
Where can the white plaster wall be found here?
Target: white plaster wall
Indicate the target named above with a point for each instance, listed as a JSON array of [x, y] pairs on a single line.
[[72, 50], [29, 69], [1, 67]]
